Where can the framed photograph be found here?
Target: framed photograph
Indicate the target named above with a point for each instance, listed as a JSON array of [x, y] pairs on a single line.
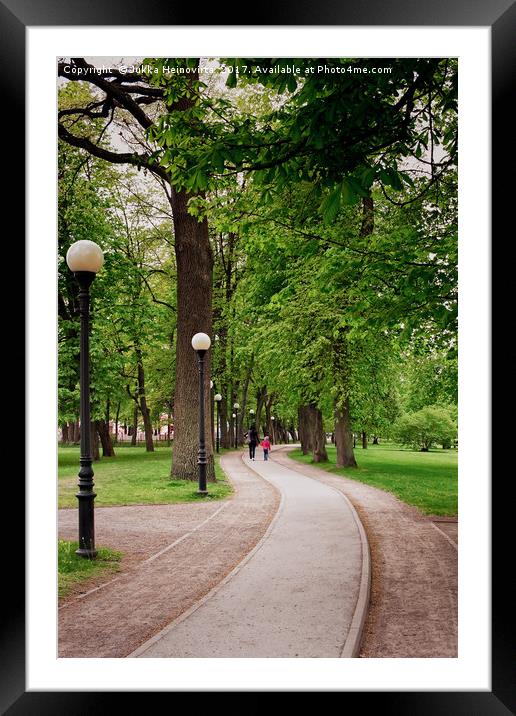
[[47, 49]]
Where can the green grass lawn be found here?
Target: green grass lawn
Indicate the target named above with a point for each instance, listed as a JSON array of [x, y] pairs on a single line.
[[426, 480], [134, 477], [73, 570]]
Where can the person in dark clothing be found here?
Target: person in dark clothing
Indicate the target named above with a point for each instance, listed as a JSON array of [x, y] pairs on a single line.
[[253, 441]]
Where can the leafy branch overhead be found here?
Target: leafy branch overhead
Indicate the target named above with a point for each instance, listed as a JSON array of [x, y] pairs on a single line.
[[343, 136]]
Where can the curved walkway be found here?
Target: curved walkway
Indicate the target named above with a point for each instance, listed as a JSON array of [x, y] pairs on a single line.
[[173, 556], [413, 609], [302, 593]]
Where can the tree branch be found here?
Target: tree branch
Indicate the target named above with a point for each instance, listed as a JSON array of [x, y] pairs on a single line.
[[137, 160]]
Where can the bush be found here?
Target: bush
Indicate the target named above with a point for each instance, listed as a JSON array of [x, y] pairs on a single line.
[[426, 427]]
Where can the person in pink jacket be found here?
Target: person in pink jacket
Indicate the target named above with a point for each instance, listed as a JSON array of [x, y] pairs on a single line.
[[266, 446]]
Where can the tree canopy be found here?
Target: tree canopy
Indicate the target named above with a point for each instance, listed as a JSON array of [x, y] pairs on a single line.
[[306, 217]]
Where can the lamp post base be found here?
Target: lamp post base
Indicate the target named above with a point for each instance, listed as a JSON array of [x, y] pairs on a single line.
[[86, 553], [203, 493]]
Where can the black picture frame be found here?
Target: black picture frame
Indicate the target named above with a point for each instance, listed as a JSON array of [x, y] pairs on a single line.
[[500, 16]]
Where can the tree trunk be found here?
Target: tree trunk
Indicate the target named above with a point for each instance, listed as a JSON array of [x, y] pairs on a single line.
[[117, 418], [105, 438], [267, 403], [319, 453], [245, 420], [344, 437], [224, 430], [305, 429], [142, 400], [64, 433], [135, 425], [364, 440], [375, 439], [194, 288], [95, 454], [261, 396], [212, 418]]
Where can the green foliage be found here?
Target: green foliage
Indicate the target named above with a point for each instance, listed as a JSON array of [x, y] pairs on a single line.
[[426, 427], [132, 298], [334, 123], [333, 231]]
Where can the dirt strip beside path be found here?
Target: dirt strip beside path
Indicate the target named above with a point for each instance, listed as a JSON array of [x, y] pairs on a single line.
[[160, 580], [413, 609]]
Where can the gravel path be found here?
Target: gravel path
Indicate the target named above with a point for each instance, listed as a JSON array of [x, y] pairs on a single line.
[[413, 608], [296, 596], [174, 555]]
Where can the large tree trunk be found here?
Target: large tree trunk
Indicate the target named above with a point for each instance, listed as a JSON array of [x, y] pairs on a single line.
[[306, 428], [364, 440], [344, 437], [319, 453], [194, 287], [105, 438], [64, 433]]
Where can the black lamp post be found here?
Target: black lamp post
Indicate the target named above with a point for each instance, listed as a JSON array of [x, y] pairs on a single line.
[[218, 398], [273, 436], [251, 418], [201, 343], [85, 258], [234, 438], [235, 415]]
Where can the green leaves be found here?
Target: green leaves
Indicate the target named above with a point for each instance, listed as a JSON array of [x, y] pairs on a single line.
[[391, 177], [346, 193], [330, 206]]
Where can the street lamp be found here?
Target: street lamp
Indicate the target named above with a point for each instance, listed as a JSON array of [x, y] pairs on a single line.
[[85, 259], [218, 398], [201, 343], [251, 416], [235, 415], [273, 439]]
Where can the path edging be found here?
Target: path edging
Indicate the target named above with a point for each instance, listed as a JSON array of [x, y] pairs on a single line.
[[353, 641]]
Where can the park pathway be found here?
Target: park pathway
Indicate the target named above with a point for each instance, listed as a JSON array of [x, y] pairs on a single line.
[[414, 566], [173, 556], [302, 592]]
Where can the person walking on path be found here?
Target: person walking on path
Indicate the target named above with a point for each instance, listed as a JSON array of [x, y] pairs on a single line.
[[266, 446], [253, 441]]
